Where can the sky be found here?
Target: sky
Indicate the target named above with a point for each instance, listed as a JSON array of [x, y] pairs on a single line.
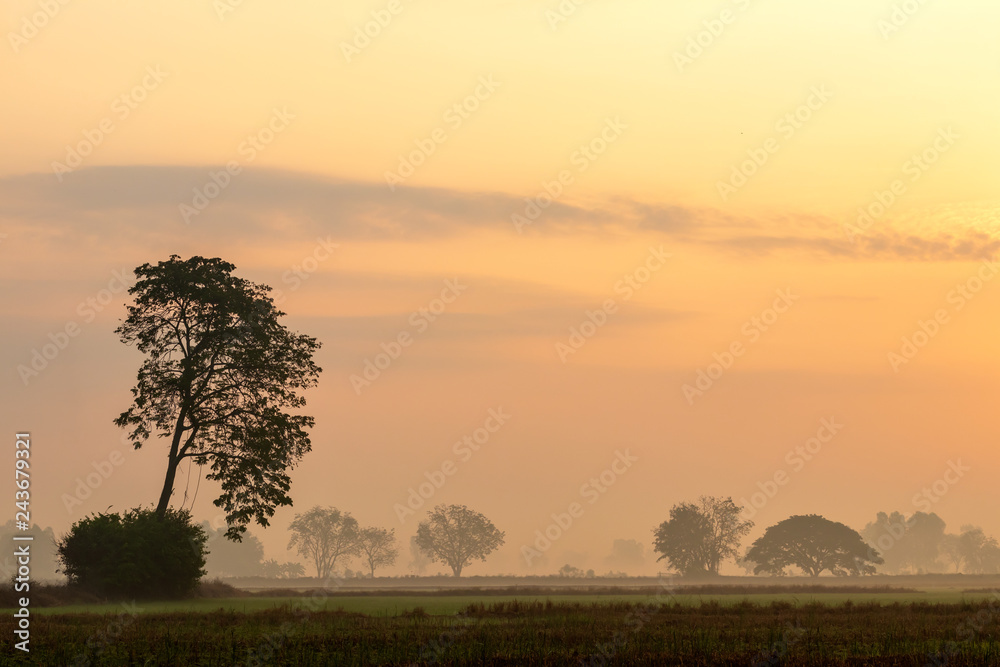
[[634, 252]]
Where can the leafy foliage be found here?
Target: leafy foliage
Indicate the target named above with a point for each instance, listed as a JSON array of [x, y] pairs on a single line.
[[288, 570], [698, 538], [454, 535], [323, 535], [813, 544], [137, 554], [377, 547], [219, 377]]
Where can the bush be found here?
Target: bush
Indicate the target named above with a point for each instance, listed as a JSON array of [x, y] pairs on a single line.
[[135, 555]]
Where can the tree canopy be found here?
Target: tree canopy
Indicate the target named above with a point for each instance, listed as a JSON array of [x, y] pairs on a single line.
[[813, 544], [377, 547], [220, 378], [456, 535], [698, 538], [324, 535], [911, 544], [973, 552]]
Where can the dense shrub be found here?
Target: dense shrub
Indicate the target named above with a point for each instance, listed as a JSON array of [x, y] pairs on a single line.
[[135, 555]]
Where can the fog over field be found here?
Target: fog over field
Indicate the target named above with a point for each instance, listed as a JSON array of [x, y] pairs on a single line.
[[570, 264]]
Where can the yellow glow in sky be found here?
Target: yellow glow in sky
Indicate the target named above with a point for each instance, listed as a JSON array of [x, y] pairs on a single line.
[[358, 155]]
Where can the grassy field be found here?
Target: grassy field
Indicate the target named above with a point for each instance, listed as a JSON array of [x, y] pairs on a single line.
[[533, 633], [788, 625], [395, 605]]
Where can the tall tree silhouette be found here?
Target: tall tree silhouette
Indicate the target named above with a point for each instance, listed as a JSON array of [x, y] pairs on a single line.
[[220, 376]]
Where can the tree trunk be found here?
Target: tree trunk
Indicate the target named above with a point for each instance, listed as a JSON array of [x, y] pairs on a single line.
[[457, 569], [168, 488], [172, 462]]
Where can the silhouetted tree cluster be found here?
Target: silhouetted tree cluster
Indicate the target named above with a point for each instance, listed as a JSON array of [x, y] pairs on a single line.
[[574, 572], [698, 538], [325, 535], [452, 535], [272, 569], [918, 544]]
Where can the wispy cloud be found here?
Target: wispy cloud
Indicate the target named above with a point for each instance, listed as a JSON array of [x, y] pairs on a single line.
[[143, 201]]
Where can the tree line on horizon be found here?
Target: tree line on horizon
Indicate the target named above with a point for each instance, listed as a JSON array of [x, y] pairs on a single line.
[[221, 385], [698, 537], [695, 541]]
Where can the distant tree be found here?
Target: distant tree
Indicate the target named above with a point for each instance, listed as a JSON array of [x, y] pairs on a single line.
[[976, 552], [324, 534], [989, 557], [913, 544], [44, 553], [626, 554], [272, 569], [883, 536], [154, 557], [219, 382], [454, 535], [813, 544], [698, 538], [922, 543], [377, 547], [745, 565], [291, 570], [568, 570], [951, 551], [419, 561], [232, 559]]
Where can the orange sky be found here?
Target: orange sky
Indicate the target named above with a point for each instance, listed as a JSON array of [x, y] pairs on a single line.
[[623, 197]]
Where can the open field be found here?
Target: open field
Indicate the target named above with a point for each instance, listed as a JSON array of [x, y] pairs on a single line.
[[791, 624], [533, 633], [957, 582], [390, 597], [395, 605]]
